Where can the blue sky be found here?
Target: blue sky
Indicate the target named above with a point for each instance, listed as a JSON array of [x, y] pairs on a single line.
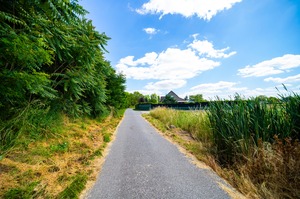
[[209, 47]]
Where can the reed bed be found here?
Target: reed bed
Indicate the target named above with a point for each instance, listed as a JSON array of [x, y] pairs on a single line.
[[238, 126], [256, 140]]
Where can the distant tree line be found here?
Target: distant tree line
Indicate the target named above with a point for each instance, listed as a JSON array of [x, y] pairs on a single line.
[[138, 98]]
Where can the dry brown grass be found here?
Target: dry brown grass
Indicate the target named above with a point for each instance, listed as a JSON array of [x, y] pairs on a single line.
[[53, 163], [275, 169]]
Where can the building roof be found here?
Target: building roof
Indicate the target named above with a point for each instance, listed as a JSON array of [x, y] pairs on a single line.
[[178, 99]]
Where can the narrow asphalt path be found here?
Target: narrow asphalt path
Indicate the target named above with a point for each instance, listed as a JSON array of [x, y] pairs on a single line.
[[142, 164]]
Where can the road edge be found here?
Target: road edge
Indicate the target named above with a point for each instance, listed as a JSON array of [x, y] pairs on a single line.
[[221, 182], [99, 162]]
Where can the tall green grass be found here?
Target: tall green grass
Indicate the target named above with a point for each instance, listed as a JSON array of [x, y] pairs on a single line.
[[194, 122], [74, 189], [239, 126], [257, 141], [236, 128], [35, 121]]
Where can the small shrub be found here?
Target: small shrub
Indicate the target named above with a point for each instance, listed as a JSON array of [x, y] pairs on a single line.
[[106, 137]]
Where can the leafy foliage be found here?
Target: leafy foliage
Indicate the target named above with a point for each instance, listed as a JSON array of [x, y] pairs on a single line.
[[169, 100], [133, 98], [52, 56], [197, 98], [115, 90], [154, 98]]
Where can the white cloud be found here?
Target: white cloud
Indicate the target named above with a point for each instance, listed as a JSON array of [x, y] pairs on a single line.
[[166, 85], [211, 87], [271, 67], [290, 79], [173, 63], [222, 89], [269, 91], [207, 48], [151, 31], [148, 59], [227, 90], [204, 9]]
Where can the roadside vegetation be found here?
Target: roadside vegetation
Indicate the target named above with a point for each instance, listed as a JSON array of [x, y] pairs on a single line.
[[51, 63], [60, 99], [59, 165], [252, 143]]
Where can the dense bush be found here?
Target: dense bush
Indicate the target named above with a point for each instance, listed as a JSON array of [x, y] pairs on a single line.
[[51, 61]]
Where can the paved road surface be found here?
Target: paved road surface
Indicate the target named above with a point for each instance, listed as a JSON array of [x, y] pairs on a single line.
[[142, 164]]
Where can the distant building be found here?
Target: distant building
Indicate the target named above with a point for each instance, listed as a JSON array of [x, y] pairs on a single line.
[[174, 96]]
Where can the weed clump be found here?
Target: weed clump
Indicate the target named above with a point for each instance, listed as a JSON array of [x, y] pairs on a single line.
[[26, 192], [74, 189]]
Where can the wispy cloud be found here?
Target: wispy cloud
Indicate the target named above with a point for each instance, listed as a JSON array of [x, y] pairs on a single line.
[[268, 91], [290, 79], [207, 48], [213, 87], [223, 89], [165, 85], [151, 31], [204, 9], [271, 67]]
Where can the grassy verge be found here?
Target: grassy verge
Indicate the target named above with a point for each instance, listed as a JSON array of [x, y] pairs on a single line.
[[59, 165], [262, 169]]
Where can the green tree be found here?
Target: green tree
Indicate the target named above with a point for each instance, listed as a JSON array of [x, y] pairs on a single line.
[[52, 60], [115, 86], [169, 100], [147, 98], [197, 98], [133, 98], [154, 98]]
